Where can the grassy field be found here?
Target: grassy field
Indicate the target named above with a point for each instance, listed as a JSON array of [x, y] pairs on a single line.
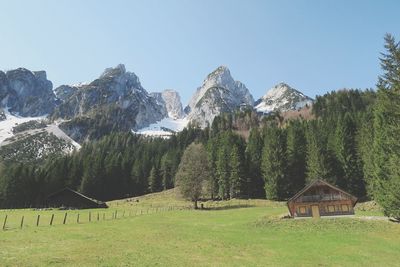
[[253, 235]]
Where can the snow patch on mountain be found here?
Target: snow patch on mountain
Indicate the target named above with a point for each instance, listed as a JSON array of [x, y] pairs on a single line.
[[164, 128], [7, 135], [10, 122]]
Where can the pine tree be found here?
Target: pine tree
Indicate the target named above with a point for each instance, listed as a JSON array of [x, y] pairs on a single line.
[[386, 181], [235, 179], [346, 152], [212, 149], [317, 155], [365, 149], [296, 156], [139, 185], [222, 167], [273, 163], [154, 180], [166, 172], [255, 181], [92, 183]]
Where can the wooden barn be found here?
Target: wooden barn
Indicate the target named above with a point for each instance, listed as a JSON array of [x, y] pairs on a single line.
[[70, 199], [320, 198]]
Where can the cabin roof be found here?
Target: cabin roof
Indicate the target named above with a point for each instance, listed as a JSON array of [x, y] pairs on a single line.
[[319, 181], [74, 192]]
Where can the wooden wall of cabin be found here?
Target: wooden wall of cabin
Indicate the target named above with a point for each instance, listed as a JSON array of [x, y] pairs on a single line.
[[326, 208]]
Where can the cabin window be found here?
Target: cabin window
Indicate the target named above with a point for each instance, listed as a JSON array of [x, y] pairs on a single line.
[[345, 208], [302, 210], [331, 208]]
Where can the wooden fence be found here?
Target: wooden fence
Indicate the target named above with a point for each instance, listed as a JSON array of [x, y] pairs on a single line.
[[20, 219]]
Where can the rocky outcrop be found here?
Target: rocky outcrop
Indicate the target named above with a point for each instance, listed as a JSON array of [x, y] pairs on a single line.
[[115, 101], [64, 92], [171, 100], [219, 93], [26, 93], [282, 97]]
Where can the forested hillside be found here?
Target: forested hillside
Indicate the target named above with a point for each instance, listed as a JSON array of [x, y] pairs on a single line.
[[351, 141]]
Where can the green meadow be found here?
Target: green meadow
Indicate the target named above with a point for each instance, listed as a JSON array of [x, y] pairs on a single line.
[[230, 233]]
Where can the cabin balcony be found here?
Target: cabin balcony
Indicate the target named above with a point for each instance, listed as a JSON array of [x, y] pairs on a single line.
[[318, 198]]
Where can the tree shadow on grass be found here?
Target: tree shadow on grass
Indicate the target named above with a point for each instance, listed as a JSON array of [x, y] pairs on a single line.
[[226, 207]]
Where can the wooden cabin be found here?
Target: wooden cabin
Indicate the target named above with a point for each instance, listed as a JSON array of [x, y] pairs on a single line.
[[320, 198], [70, 199]]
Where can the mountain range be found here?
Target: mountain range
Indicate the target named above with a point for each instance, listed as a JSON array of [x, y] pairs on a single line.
[[116, 101]]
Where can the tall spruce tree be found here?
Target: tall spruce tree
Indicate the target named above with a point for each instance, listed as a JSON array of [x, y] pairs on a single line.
[[346, 152], [235, 173], [223, 174], [386, 182], [155, 184], [254, 178], [296, 156], [166, 172], [273, 164], [365, 149], [317, 155], [212, 149]]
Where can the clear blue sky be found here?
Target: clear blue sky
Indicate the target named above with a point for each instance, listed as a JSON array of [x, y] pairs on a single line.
[[315, 46]]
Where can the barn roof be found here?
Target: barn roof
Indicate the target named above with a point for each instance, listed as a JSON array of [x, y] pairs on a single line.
[[75, 192], [319, 181]]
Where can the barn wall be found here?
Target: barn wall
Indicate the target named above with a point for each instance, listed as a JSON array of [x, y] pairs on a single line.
[[325, 208]]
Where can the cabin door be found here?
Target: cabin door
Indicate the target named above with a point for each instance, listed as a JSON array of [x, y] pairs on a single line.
[[315, 211]]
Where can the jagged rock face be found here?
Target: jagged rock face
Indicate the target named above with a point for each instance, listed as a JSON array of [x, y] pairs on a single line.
[[172, 102], [64, 92], [26, 93], [282, 97], [159, 100], [219, 93], [116, 97], [3, 87]]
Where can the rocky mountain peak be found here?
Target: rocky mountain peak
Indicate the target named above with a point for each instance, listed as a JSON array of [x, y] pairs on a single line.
[[220, 74], [116, 98], [218, 93], [111, 72], [282, 97]]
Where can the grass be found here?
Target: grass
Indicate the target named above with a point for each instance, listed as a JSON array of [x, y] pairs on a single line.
[[221, 236]]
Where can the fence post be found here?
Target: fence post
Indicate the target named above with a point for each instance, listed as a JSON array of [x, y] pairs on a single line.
[[98, 217], [90, 216], [104, 216], [5, 221], [77, 218], [123, 214], [22, 222], [65, 218], [116, 214], [52, 218], [37, 220]]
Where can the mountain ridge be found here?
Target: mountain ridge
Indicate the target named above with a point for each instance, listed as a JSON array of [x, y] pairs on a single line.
[[116, 101]]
